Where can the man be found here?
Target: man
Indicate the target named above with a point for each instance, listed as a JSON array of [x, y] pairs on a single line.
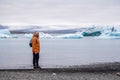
[[35, 49]]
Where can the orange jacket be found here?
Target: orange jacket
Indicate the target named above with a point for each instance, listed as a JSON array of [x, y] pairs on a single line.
[[35, 45]]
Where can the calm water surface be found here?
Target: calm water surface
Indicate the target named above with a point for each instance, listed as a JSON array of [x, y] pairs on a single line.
[[16, 53]]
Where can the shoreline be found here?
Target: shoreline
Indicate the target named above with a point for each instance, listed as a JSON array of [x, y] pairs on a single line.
[[106, 71], [98, 67]]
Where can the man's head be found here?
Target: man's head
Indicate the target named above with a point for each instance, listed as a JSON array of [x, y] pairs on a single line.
[[36, 34]]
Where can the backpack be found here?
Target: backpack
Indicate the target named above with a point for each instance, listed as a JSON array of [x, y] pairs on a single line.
[[30, 43]]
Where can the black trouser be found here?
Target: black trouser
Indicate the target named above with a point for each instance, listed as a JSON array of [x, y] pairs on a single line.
[[35, 59]]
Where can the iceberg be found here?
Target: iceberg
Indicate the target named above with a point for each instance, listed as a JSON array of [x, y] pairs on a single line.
[[99, 30], [45, 35], [70, 36], [28, 35], [110, 33], [115, 34], [4, 36], [48, 36], [93, 31], [42, 35], [14, 36], [4, 33]]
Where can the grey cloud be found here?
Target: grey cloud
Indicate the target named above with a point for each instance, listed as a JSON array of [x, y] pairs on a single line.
[[60, 11]]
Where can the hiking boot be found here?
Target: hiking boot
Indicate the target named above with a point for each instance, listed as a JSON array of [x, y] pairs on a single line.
[[39, 67]]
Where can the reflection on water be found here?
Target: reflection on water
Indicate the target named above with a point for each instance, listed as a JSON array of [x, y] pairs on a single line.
[[16, 53]]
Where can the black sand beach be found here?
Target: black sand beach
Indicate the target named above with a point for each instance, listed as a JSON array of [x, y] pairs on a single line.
[[104, 71], [51, 75]]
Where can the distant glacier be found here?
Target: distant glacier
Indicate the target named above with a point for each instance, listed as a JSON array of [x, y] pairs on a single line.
[[65, 33]]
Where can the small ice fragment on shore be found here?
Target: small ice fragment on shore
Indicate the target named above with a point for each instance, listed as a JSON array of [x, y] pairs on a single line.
[[54, 74]]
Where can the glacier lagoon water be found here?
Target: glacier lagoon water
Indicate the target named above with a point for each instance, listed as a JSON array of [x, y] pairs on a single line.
[[16, 53]]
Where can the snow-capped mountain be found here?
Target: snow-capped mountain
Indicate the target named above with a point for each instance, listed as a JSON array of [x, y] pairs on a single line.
[[46, 29], [3, 27]]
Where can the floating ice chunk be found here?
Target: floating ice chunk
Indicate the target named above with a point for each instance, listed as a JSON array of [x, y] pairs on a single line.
[[28, 35], [45, 35], [4, 31], [70, 36], [110, 35], [42, 35], [14, 36], [4, 36], [107, 37], [115, 34]]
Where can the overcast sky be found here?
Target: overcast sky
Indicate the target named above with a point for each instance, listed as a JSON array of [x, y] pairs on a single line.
[[54, 12]]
